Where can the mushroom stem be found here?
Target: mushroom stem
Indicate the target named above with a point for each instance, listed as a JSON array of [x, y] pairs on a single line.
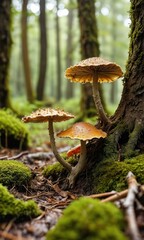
[[98, 103], [80, 165], [54, 149]]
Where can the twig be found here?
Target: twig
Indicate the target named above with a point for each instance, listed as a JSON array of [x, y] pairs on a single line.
[[44, 155], [10, 236], [116, 197], [119, 195], [4, 157], [37, 195], [8, 227], [101, 195], [18, 155], [129, 206]]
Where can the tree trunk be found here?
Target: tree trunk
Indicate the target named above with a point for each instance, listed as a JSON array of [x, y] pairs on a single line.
[[89, 48], [106, 158], [130, 110], [43, 52], [58, 54], [25, 55], [5, 47], [69, 52], [132, 102]]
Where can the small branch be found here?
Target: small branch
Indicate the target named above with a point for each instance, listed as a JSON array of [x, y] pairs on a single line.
[[4, 157], [10, 236], [129, 206], [102, 195], [116, 197], [14, 157], [18, 155]]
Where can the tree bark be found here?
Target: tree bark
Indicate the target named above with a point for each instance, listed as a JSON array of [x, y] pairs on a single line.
[[5, 47], [43, 52], [128, 130], [132, 102], [25, 55]]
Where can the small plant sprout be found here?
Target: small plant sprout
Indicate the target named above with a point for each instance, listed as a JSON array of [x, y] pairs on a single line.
[[95, 70], [51, 115], [81, 131]]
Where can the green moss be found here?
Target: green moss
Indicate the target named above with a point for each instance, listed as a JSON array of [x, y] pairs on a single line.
[[89, 219], [14, 173], [12, 208], [13, 132], [111, 175], [56, 170]]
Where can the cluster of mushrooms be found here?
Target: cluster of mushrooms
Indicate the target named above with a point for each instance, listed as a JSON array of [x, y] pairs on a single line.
[[94, 70]]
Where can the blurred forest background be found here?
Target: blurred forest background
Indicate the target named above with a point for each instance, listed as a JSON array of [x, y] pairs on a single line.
[[46, 40]]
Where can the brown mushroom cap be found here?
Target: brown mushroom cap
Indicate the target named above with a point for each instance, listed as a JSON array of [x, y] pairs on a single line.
[[86, 70], [45, 114], [82, 131]]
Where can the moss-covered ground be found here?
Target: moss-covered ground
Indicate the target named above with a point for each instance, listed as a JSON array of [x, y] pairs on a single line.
[[89, 219], [18, 210], [13, 133], [110, 174], [57, 170], [14, 173]]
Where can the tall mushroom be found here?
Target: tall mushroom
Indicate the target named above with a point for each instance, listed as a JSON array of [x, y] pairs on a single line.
[[95, 70], [81, 131], [50, 115]]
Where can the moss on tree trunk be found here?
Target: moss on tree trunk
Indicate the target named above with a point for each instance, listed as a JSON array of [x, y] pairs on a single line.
[[131, 108], [5, 47]]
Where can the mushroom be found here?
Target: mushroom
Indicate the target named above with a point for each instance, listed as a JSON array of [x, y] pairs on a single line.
[[95, 70], [50, 115], [73, 151], [81, 131]]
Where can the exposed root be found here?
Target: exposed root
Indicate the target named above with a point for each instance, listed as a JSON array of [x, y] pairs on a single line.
[[134, 137], [125, 140]]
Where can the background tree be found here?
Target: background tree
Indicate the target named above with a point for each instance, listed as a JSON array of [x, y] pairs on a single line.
[[43, 51], [89, 47], [113, 91], [5, 47], [70, 47], [58, 53], [25, 53]]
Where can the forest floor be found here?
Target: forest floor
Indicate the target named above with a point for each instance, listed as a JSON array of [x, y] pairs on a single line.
[[49, 196]]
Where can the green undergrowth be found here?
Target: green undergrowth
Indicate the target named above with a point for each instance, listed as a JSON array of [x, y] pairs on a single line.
[[23, 107], [110, 174], [14, 173], [18, 210], [13, 132], [89, 219], [56, 170]]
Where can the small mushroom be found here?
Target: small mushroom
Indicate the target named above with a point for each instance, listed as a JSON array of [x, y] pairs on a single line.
[[50, 115], [73, 151], [95, 70], [81, 131]]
